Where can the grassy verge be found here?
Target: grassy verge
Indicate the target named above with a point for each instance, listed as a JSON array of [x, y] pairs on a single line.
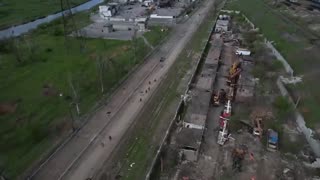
[[295, 45], [143, 145], [156, 34], [38, 71]]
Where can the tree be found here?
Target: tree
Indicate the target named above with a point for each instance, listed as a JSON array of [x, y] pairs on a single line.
[[16, 51], [32, 49], [283, 106]]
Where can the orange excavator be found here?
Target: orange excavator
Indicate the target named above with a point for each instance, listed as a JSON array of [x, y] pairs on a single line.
[[234, 73]]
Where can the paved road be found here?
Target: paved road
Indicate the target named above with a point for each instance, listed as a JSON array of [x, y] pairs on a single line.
[[85, 153]]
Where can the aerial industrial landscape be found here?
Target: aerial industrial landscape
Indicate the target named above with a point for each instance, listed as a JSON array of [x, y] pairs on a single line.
[[159, 90]]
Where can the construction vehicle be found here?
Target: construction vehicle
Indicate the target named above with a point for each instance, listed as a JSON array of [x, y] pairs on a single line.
[[223, 96], [224, 134], [227, 109], [222, 119], [234, 73], [257, 127], [215, 99], [272, 140], [238, 155], [230, 95], [219, 97]]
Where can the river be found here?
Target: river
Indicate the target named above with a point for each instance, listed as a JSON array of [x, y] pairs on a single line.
[[24, 28]]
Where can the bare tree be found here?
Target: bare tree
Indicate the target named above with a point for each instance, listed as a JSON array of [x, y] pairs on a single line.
[[75, 94], [111, 65], [32, 48], [16, 51]]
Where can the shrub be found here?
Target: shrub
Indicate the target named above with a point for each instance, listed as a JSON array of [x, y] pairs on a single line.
[[5, 45], [58, 31], [38, 132], [49, 50], [283, 106]]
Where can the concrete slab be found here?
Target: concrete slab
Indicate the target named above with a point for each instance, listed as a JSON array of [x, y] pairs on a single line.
[[246, 83], [132, 11], [96, 30], [197, 121], [190, 155], [175, 11], [205, 83], [189, 138], [215, 51]]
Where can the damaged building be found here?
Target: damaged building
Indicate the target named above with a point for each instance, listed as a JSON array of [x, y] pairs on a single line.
[[246, 82], [189, 136], [222, 24]]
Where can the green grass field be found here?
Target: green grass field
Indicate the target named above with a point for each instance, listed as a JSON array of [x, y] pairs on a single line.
[[15, 12], [156, 35], [41, 59], [294, 44]]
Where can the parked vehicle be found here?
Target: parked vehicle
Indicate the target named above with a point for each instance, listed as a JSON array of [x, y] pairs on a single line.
[[257, 126], [273, 140]]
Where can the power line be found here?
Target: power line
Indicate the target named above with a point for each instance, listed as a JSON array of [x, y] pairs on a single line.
[[69, 24]]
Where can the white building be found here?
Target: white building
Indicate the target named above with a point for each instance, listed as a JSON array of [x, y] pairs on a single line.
[[108, 11], [222, 25], [105, 11]]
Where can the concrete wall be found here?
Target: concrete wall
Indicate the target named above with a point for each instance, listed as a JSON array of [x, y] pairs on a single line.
[[123, 27], [277, 54], [193, 126], [190, 155], [158, 21]]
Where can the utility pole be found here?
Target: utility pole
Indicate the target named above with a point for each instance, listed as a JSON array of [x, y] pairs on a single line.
[[134, 43], [69, 24], [75, 92], [72, 118]]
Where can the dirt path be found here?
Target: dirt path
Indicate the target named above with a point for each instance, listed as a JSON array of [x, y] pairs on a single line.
[[147, 42], [86, 152]]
